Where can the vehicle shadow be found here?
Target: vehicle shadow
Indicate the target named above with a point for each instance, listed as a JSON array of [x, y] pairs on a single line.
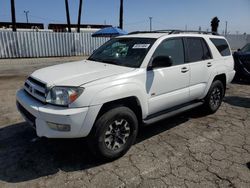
[[238, 101], [241, 82], [248, 165], [25, 157]]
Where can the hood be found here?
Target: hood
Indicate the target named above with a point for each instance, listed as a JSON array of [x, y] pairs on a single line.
[[78, 73]]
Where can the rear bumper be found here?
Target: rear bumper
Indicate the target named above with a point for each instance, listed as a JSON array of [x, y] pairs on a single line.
[[40, 116]]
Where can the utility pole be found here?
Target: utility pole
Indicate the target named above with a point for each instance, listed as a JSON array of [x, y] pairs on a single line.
[[67, 15], [13, 15], [26, 12], [121, 14], [79, 16], [150, 23], [226, 29], [185, 27]]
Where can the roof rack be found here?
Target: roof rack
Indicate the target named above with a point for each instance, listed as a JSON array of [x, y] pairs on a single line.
[[175, 32], [193, 31], [138, 32]]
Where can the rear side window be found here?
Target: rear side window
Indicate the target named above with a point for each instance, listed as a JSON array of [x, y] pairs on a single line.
[[195, 49], [221, 46]]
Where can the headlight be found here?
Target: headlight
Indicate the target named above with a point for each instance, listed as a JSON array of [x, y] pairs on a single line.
[[63, 96]]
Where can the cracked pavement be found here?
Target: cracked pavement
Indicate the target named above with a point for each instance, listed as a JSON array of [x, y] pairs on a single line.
[[189, 150]]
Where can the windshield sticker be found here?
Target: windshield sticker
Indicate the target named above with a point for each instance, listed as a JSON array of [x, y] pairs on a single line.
[[141, 46]]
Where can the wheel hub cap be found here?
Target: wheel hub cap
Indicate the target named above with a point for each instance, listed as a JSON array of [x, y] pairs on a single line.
[[215, 98], [117, 134]]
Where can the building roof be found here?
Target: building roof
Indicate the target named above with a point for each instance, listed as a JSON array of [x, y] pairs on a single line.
[[21, 25]]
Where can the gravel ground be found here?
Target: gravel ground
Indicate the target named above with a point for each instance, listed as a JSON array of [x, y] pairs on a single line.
[[190, 150]]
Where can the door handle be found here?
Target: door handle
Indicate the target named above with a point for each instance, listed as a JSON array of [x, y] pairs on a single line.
[[184, 69], [209, 64]]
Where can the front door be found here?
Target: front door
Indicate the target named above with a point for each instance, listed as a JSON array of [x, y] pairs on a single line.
[[168, 86]]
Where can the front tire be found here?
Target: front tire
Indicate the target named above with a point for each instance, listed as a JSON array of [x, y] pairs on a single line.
[[214, 97], [113, 133]]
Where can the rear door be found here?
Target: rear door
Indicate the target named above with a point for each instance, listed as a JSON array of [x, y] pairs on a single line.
[[200, 60]]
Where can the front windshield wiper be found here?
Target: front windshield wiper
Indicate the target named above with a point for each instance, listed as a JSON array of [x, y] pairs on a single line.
[[92, 59], [109, 61]]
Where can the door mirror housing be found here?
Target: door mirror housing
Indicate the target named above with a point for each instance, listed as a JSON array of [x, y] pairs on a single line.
[[160, 61]]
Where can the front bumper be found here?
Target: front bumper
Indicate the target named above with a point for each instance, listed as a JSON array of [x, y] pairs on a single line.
[[40, 115]]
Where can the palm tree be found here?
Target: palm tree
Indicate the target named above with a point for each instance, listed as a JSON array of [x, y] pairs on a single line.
[[67, 15], [13, 15], [79, 16], [121, 14], [215, 24]]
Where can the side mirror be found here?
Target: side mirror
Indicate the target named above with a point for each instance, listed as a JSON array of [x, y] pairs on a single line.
[[161, 61]]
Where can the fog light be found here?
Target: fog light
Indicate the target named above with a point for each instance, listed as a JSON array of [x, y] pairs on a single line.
[[59, 127]]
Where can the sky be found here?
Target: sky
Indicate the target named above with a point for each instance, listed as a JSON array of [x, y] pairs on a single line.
[[167, 14]]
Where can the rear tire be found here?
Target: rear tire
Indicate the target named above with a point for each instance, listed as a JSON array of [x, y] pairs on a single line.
[[214, 97], [113, 133]]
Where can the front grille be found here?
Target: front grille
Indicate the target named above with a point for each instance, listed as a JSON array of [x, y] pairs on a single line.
[[28, 116], [36, 88], [37, 82]]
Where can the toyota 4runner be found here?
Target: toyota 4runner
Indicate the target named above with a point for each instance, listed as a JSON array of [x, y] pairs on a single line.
[[132, 80]]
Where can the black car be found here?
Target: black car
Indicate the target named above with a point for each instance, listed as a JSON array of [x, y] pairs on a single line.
[[242, 63]]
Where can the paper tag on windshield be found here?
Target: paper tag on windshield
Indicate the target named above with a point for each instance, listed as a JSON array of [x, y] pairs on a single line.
[[141, 46]]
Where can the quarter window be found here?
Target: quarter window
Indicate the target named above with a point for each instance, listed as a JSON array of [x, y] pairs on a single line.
[[221, 46], [172, 48]]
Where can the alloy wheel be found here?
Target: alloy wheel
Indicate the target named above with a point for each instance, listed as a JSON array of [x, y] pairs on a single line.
[[117, 134], [215, 98]]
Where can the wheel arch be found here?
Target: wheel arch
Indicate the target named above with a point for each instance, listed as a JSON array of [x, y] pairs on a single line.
[[222, 78], [131, 102]]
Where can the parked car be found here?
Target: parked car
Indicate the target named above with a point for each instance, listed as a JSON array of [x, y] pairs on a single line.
[[242, 63], [130, 81]]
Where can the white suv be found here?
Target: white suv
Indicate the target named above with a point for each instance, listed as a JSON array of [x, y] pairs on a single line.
[[133, 80]]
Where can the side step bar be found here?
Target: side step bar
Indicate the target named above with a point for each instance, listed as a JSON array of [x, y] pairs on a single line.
[[169, 113]]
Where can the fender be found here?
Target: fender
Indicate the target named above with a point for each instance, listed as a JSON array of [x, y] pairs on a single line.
[[218, 71], [122, 91]]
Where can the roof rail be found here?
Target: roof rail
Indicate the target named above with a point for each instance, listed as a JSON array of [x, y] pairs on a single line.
[[194, 31], [155, 31], [171, 31], [138, 32]]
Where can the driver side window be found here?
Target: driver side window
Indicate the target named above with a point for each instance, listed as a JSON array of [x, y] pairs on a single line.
[[172, 48]]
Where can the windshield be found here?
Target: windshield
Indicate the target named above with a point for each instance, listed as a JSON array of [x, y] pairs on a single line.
[[129, 52], [246, 48]]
